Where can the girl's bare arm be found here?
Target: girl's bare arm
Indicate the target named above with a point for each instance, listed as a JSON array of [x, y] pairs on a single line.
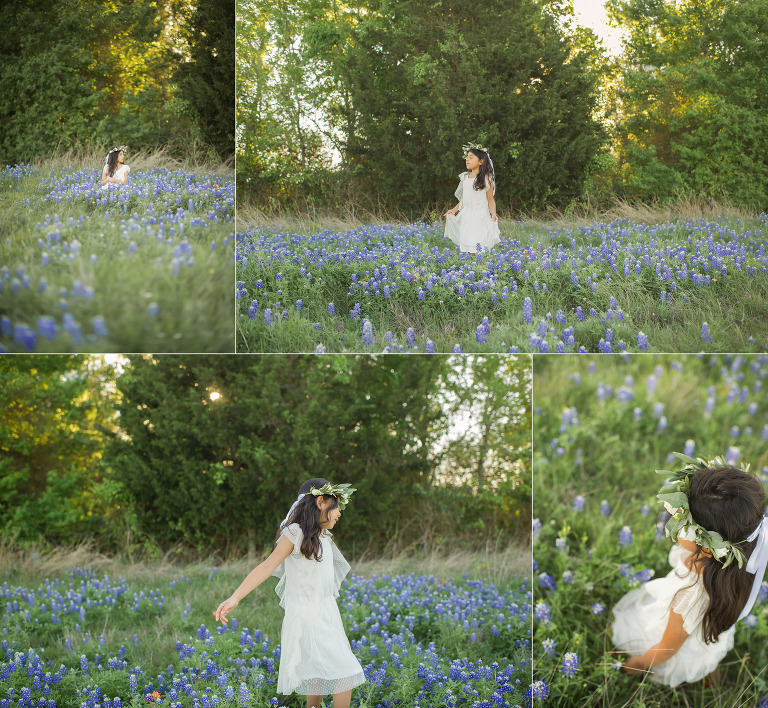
[[255, 578], [492, 203], [671, 641]]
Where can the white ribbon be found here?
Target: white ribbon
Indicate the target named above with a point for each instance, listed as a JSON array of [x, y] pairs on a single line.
[[493, 174], [758, 560], [290, 511]]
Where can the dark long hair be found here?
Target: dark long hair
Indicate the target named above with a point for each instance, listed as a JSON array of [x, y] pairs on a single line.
[[731, 502], [484, 171], [309, 517], [112, 162]]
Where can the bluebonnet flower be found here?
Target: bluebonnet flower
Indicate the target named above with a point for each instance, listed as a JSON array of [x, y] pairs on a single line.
[[429, 347], [546, 581], [542, 612], [578, 502], [642, 341], [367, 333], [331, 308], [598, 608], [535, 528], [625, 536], [570, 664], [605, 507], [480, 334], [705, 333], [567, 576], [456, 348], [539, 690], [410, 337], [690, 447], [528, 310], [299, 305], [268, 319], [732, 455], [549, 645]]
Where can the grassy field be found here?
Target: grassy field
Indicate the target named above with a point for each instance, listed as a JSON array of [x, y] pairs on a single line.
[[82, 629], [602, 426], [145, 267], [687, 279]]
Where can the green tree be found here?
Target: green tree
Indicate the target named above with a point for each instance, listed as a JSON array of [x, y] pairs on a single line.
[[694, 99], [206, 77], [216, 471], [56, 413]]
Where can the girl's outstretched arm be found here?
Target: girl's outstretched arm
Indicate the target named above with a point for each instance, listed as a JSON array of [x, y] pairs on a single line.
[[492, 202], [255, 578], [671, 641]]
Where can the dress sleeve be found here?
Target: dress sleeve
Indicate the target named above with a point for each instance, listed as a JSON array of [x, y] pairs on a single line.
[[459, 193], [294, 534], [691, 602], [340, 566]]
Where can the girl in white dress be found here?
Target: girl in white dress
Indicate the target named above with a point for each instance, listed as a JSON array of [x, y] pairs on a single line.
[[315, 655], [678, 628], [115, 170], [476, 221]]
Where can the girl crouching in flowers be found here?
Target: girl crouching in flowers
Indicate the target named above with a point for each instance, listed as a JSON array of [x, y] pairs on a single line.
[[115, 170], [680, 627], [315, 656], [476, 223]]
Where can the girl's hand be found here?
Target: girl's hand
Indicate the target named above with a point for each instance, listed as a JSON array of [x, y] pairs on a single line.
[[452, 212], [634, 667], [495, 218], [224, 609]]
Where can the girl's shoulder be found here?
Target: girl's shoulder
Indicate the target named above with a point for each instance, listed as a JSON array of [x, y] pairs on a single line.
[[463, 175]]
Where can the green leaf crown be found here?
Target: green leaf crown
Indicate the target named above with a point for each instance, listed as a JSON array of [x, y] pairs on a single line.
[[341, 491], [674, 496], [475, 146]]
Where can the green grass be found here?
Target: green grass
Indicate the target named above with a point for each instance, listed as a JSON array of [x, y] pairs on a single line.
[[609, 455], [125, 274]]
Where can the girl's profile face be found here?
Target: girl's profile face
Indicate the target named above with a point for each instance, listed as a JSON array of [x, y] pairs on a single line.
[[473, 161], [330, 516], [120, 157]]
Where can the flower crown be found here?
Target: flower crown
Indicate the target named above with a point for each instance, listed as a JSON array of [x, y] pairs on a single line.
[[475, 146], [117, 148], [341, 491], [674, 496]]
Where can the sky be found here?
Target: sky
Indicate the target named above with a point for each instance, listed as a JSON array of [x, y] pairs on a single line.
[[591, 13]]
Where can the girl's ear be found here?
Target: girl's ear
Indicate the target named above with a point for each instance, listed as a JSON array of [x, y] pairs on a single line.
[[706, 552]]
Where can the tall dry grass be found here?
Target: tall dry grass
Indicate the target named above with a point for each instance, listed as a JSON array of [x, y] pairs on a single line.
[[307, 219], [499, 565], [85, 157]]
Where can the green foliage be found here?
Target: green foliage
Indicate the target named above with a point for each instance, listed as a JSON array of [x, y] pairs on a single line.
[[693, 100], [77, 73], [206, 78], [52, 427]]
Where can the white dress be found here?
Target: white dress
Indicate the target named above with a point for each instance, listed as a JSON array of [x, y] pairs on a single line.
[[315, 656], [641, 616], [121, 173], [473, 223]]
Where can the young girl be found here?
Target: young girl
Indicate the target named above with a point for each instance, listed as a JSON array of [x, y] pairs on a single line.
[[115, 171], [477, 222], [315, 656], [680, 627]]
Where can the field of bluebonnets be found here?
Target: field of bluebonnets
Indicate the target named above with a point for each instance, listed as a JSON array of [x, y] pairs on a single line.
[[144, 635], [602, 426], [141, 267], [625, 284]]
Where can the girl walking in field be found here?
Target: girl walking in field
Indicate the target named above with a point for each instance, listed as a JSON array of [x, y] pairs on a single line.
[[680, 627], [115, 170], [315, 656], [476, 223]]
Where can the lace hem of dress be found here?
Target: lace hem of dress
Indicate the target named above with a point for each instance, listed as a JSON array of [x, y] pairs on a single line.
[[325, 687]]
